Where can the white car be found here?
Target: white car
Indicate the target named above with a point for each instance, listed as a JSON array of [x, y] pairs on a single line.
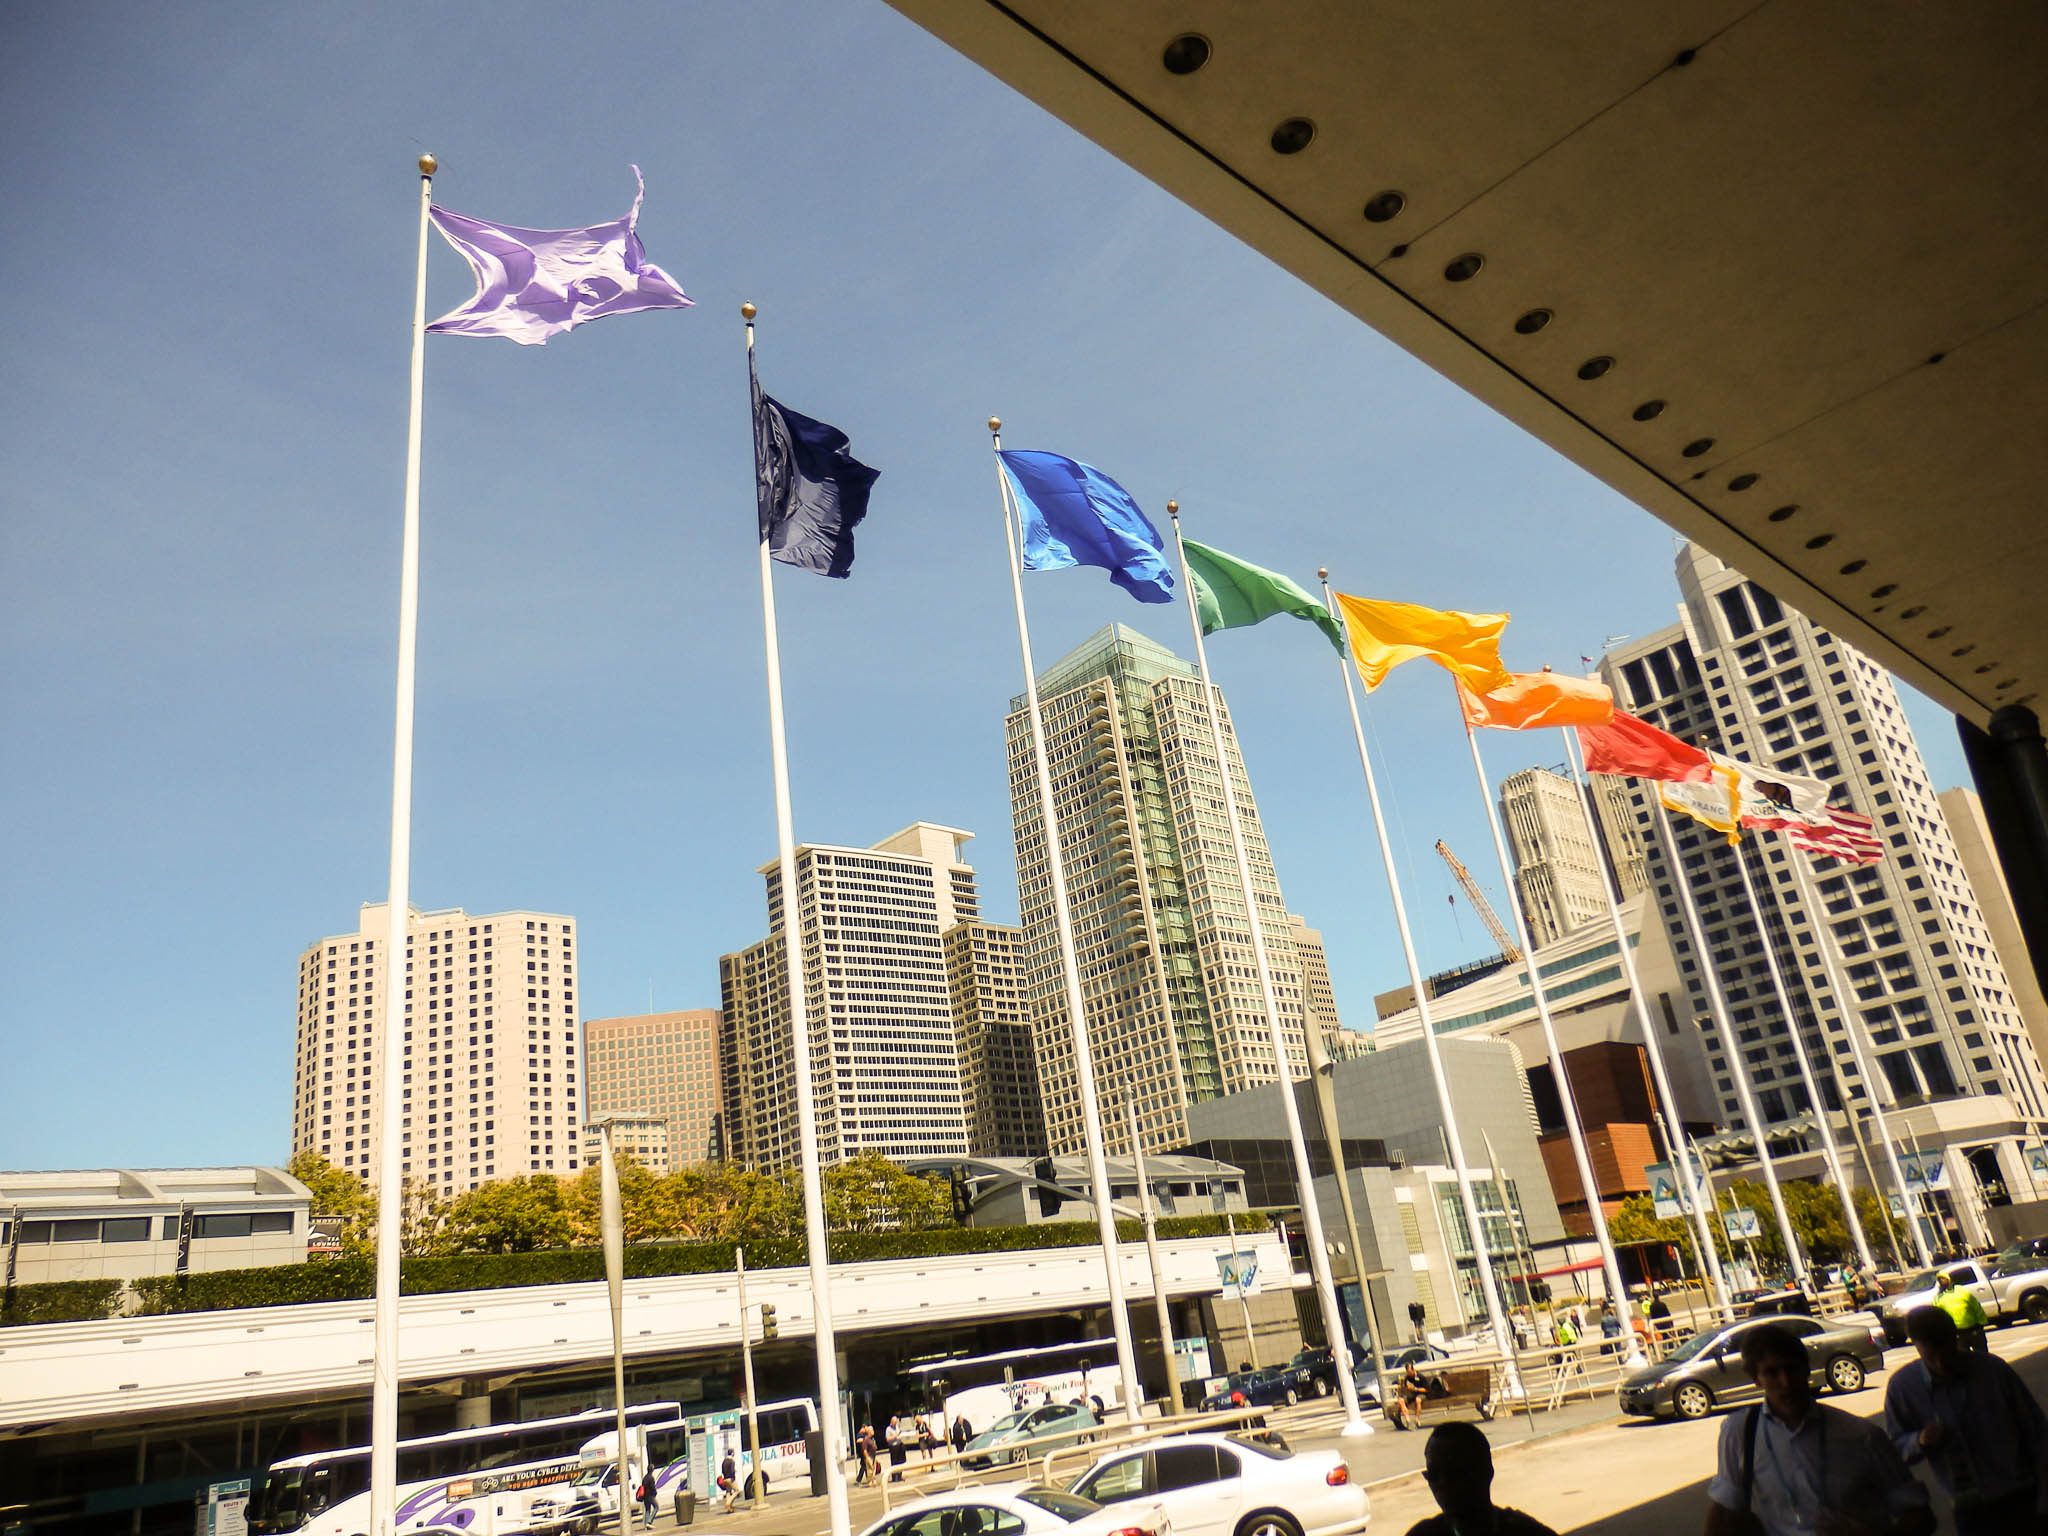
[[1233, 1485], [1018, 1509]]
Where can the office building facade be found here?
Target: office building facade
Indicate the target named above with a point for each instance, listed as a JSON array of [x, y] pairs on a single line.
[[1561, 860], [998, 1067], [1175, 1012], [884, 1062], [1318, 996], [1743, 674], [490, 1086], [662, 1066]]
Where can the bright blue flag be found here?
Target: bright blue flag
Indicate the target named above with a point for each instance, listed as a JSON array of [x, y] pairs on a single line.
[[1074, 514]]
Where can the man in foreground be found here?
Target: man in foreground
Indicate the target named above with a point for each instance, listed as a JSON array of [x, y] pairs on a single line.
[[1975, 1423], [1457, 1463], [1800, 1466]]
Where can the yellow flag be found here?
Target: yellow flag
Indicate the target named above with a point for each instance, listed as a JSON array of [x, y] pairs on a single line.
[[1383, 635]]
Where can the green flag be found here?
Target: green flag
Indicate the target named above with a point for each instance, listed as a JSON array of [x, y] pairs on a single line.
[[1231, 593]]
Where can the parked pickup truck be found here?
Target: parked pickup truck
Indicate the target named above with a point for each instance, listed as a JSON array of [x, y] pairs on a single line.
[[2011, 1293]]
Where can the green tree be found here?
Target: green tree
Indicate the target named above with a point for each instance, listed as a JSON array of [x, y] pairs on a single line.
[[422, 1221], [1636, 1221], [728, 1203], [869, 1193], [647, 1207], [516, 1215], [336, 1192]]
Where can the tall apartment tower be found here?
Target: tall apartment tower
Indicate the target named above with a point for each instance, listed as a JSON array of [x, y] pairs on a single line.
[[1742, 673], [998, 1067], [884, 1065], [1561, 863], [489, 1014], [1175, 1014], [661, 1066], [1318, 996]]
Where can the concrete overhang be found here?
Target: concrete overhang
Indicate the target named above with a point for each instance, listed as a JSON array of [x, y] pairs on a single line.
[[1809, 237]]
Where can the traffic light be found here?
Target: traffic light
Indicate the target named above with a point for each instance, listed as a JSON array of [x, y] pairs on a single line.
[[768, 1327], [1049, 1197]]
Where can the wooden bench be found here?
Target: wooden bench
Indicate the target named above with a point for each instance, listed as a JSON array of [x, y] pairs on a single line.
[[1465, 1386]]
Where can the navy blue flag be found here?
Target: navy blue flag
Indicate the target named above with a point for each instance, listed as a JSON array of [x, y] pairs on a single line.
[[811, 493], [1074, 514]]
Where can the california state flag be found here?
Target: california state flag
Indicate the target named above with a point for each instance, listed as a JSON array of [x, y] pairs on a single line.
[[1744, 795]]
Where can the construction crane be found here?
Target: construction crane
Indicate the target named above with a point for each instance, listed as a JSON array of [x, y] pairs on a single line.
[[1506, 940]]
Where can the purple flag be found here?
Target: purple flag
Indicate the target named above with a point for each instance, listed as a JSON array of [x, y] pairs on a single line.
[[533, 283]]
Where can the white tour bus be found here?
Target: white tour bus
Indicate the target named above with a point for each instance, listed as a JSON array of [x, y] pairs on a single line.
[[670, 1449], [982, 1388], [326, 1493]]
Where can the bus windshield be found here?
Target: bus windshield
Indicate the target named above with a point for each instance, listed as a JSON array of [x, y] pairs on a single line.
[[983, 1388]]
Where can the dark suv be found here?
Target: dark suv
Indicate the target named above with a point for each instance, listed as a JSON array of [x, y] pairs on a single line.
[[1313, 1372]]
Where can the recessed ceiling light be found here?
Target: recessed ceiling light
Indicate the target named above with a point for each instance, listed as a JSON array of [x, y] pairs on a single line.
[[1913, 612], [1696, 447], [1186, 54], [1384, 206], [1293, 136], [1465, 268], [1820, 541], [2009, 682], [1742, 482], [1964, 650], [1939, 630], [1853, 567], [1989, 666], [1648, 410], [1593, 367], [1884, 591], [1781, 513], [1532, 322]]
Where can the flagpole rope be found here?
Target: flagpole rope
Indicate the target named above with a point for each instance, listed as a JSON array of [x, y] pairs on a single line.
[[398, 907], [1617, 1288], [817, 1241], [1304, 1177], [1077, 1013]]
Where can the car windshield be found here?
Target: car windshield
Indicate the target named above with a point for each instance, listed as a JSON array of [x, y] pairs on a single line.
[[1265, 1448], [1008, 1421], [1924, 1281], [1068, 1506], [591, 1476], [1693, 1345]]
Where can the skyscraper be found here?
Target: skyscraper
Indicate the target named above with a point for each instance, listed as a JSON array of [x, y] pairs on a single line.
[[1745, 675], [1175, 1013], [998, 1067], [1561, 865], [885, 1067], [662, 1066], [478, 1101], [1318, 996]]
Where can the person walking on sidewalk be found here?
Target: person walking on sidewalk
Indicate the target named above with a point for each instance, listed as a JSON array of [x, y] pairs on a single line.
[[1795, 1467], [728, 1483], [1961, 1303], [870, 1459], [1973, 1421], [1457, 1463], [650, 1498]]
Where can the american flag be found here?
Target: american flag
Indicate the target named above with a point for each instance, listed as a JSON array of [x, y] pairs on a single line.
[[1837, 834]]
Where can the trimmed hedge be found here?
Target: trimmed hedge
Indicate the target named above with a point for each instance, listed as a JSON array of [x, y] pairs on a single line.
[[354, 1279], [58, 1301]]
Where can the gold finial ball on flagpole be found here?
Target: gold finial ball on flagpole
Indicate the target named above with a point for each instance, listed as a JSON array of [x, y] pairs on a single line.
[[1173, 509], [1322, 573], [995, 423], [747, 312], [428, 165]]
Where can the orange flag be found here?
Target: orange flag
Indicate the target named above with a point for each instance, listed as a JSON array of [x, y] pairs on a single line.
[[1383, 635], [1533, 699]]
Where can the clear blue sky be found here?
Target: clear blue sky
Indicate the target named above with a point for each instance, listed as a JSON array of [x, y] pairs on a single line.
[[210, 243]]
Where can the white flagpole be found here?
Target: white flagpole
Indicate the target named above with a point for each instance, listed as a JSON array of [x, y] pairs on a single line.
[[1077, 1015], [1161, 1306], [612, 1234], [1830, 1153], [1703, 1212], [1874, 1081], [823, 1340], [1731, 1042], [1617, 1289], [1503, 1336], [1304, 1175], [391, 1059]]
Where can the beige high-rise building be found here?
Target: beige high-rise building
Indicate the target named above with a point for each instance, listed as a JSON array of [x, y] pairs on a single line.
[[1559, 873], [490, 1085], [998, 1066], [659, 1065], [1175, 1012], [1985, 876], [1318, 996], [884, 1063]]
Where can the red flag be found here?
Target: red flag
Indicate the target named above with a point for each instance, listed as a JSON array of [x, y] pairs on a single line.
[[1843, 835], [1627, 745]]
